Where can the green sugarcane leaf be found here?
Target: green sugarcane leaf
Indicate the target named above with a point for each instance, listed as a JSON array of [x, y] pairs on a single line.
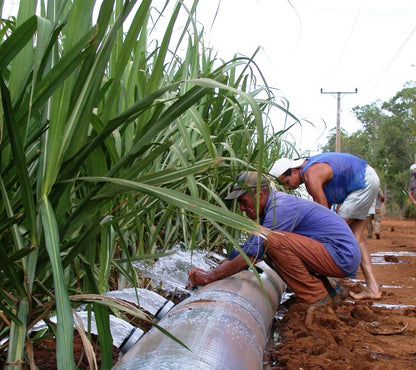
[[65, 321], [180, 200], [17, 41], [20, 161]]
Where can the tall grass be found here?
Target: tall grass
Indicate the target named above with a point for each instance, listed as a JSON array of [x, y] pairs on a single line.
[[115, 144]]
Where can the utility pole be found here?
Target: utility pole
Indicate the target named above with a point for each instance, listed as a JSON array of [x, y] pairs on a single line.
[[338, 131]]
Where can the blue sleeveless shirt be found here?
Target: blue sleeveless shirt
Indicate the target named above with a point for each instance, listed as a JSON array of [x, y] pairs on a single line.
[[348, 174]]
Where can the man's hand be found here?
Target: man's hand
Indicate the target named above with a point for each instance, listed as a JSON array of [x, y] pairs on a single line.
[[198, 277]]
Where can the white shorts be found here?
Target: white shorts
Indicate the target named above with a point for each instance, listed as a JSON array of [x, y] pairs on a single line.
[[372, 210], [358, 203]]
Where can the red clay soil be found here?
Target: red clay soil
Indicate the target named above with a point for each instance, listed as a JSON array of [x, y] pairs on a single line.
[[45, 353], [358, 335]]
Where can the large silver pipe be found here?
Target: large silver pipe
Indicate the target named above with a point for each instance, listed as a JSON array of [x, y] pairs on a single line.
[[225, 325]]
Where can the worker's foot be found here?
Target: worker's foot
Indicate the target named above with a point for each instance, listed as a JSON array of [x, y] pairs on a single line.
[[366, 294], [339, 294], [377, 236], [369, 237], [327, 300], [310, 312]]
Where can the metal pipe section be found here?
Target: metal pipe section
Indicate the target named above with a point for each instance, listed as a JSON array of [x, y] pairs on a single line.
[[225, 325]]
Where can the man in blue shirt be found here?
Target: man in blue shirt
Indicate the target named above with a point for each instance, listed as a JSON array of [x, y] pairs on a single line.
[[412, 184], [307, 241], [344, 180]]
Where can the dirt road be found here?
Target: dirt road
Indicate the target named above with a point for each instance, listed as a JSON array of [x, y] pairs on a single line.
[[363, 334]]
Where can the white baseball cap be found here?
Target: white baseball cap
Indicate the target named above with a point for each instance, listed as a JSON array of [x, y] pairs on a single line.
[[413, 168], [283, 164]]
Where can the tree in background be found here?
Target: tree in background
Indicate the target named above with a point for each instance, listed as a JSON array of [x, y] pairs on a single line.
[[387, 140]]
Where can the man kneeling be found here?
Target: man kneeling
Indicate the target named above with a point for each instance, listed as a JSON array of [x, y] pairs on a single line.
[[308, 244]]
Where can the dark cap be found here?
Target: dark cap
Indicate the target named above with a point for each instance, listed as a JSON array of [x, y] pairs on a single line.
[[249, 179]]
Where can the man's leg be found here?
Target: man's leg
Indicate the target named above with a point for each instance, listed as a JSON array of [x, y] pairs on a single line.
[[371, 291], [370, 226], [377, 223], [296, 258], [354, 211]]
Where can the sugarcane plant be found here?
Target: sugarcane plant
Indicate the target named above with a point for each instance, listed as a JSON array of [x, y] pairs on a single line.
[[116, 142]]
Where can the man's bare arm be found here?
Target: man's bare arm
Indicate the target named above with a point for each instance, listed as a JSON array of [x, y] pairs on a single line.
[[199, 277], [315, 179]]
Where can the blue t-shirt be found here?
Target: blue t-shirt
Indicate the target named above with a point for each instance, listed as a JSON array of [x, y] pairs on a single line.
[[348, 174], [412, 186], [286, 212]]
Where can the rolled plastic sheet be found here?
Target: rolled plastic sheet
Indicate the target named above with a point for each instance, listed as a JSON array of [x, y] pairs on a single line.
[[150, 301], [119, 328], [224, 325], [124, 334]]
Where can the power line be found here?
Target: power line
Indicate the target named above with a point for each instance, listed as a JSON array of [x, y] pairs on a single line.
[[387, 66], [346, 43], [338, 131]]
